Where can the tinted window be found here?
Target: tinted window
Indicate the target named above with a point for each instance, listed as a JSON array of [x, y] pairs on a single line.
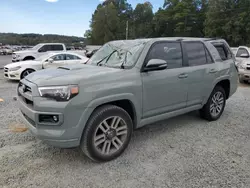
[[222, 52], [168, 51], [45, 48], [196, 53], [72, 57], [57, 47], [59, 57], [241, 51]]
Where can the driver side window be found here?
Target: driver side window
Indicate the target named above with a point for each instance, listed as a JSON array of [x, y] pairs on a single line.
[[59, 57], [169, 51]]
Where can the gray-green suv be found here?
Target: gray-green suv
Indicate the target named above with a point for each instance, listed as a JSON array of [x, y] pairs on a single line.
[[124, 86]]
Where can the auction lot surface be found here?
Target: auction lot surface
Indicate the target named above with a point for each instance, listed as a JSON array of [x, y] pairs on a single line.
[[4, 60], [185, 151]]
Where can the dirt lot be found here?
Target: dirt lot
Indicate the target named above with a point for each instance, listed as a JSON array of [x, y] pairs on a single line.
[[181, 152], [4, 60]]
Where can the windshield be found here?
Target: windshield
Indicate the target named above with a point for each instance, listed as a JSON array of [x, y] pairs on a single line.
[[37, 47], [118, 53]]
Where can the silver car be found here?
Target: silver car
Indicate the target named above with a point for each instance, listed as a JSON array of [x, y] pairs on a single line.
[[124, 86]]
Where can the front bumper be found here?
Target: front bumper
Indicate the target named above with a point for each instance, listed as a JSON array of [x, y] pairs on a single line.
[[64, 134], [12, 75], [244, 74]]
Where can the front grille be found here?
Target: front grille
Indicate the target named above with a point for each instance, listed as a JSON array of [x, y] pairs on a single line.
[[25, 90], [24, 87]]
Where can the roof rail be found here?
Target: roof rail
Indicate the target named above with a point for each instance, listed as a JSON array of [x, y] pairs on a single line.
[[209, 39]]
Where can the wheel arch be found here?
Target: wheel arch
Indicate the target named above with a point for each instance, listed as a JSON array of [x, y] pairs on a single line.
[[225, 84], [25, 69], [30, 57]]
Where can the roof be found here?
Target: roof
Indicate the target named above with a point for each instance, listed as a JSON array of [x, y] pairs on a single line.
[[166, 38]]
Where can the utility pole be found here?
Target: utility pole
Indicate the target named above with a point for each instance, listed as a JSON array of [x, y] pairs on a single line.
[[127, 31]]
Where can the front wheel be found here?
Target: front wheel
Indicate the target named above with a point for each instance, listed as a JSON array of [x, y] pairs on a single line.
[[107, 133], [215, 105]]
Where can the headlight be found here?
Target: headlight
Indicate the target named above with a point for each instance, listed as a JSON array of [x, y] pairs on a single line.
[[59, 93], [15, 68]]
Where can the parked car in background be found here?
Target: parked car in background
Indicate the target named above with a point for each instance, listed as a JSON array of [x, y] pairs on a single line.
[[242, 53], [37, 51], [124, 86], [244, 71], [7, 51], [17, 71]]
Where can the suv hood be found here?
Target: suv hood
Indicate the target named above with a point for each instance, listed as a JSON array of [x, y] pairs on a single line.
[[69, 74]]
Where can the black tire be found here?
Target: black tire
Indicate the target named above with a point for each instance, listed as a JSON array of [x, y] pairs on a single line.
[[206, 113], [24, 73], [28, 58], [99, 115]]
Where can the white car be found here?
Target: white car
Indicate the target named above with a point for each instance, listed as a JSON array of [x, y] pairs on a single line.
[[242, 54], [244, 71], [37, 51], [17, 71]]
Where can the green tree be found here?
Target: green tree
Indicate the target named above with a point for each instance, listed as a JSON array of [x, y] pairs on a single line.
[[229, 19], [143, 20]]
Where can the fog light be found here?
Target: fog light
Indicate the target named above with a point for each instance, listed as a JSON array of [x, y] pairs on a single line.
[[55, 118], [44, 118]]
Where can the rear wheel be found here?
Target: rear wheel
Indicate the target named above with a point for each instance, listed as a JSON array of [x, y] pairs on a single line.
[[26, 73], [107, 133], [215, 105]]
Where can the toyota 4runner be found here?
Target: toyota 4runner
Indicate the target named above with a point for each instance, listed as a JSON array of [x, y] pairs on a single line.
[[124, 86]]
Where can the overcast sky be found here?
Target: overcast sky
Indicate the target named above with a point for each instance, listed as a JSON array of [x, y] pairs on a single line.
[[66, 17]]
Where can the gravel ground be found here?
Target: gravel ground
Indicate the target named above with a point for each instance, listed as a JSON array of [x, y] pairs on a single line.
[[185, 151], [4, 60]]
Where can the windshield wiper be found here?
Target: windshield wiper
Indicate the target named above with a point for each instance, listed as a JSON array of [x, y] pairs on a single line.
[[106, 57]]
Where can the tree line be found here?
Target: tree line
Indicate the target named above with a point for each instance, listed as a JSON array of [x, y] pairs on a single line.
[[228, 19], [33, 39]]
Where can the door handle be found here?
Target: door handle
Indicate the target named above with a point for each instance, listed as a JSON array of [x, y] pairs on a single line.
[[183, 75], [213, 71]]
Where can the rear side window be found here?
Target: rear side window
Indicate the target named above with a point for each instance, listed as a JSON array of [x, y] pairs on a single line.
[[224, 52], [242, 51], [169, 51], [56, 47], [196, 53], [72, 57]]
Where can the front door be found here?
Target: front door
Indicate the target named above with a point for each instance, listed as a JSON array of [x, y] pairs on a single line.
[[54, 61], [164, 90]]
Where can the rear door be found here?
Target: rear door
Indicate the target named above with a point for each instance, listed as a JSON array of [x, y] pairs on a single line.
[[201, 72], [72, 59]]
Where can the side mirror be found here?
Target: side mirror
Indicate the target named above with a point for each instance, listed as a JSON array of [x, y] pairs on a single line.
[[244, 55], [41, 50], [155, 64], [50, 60]]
